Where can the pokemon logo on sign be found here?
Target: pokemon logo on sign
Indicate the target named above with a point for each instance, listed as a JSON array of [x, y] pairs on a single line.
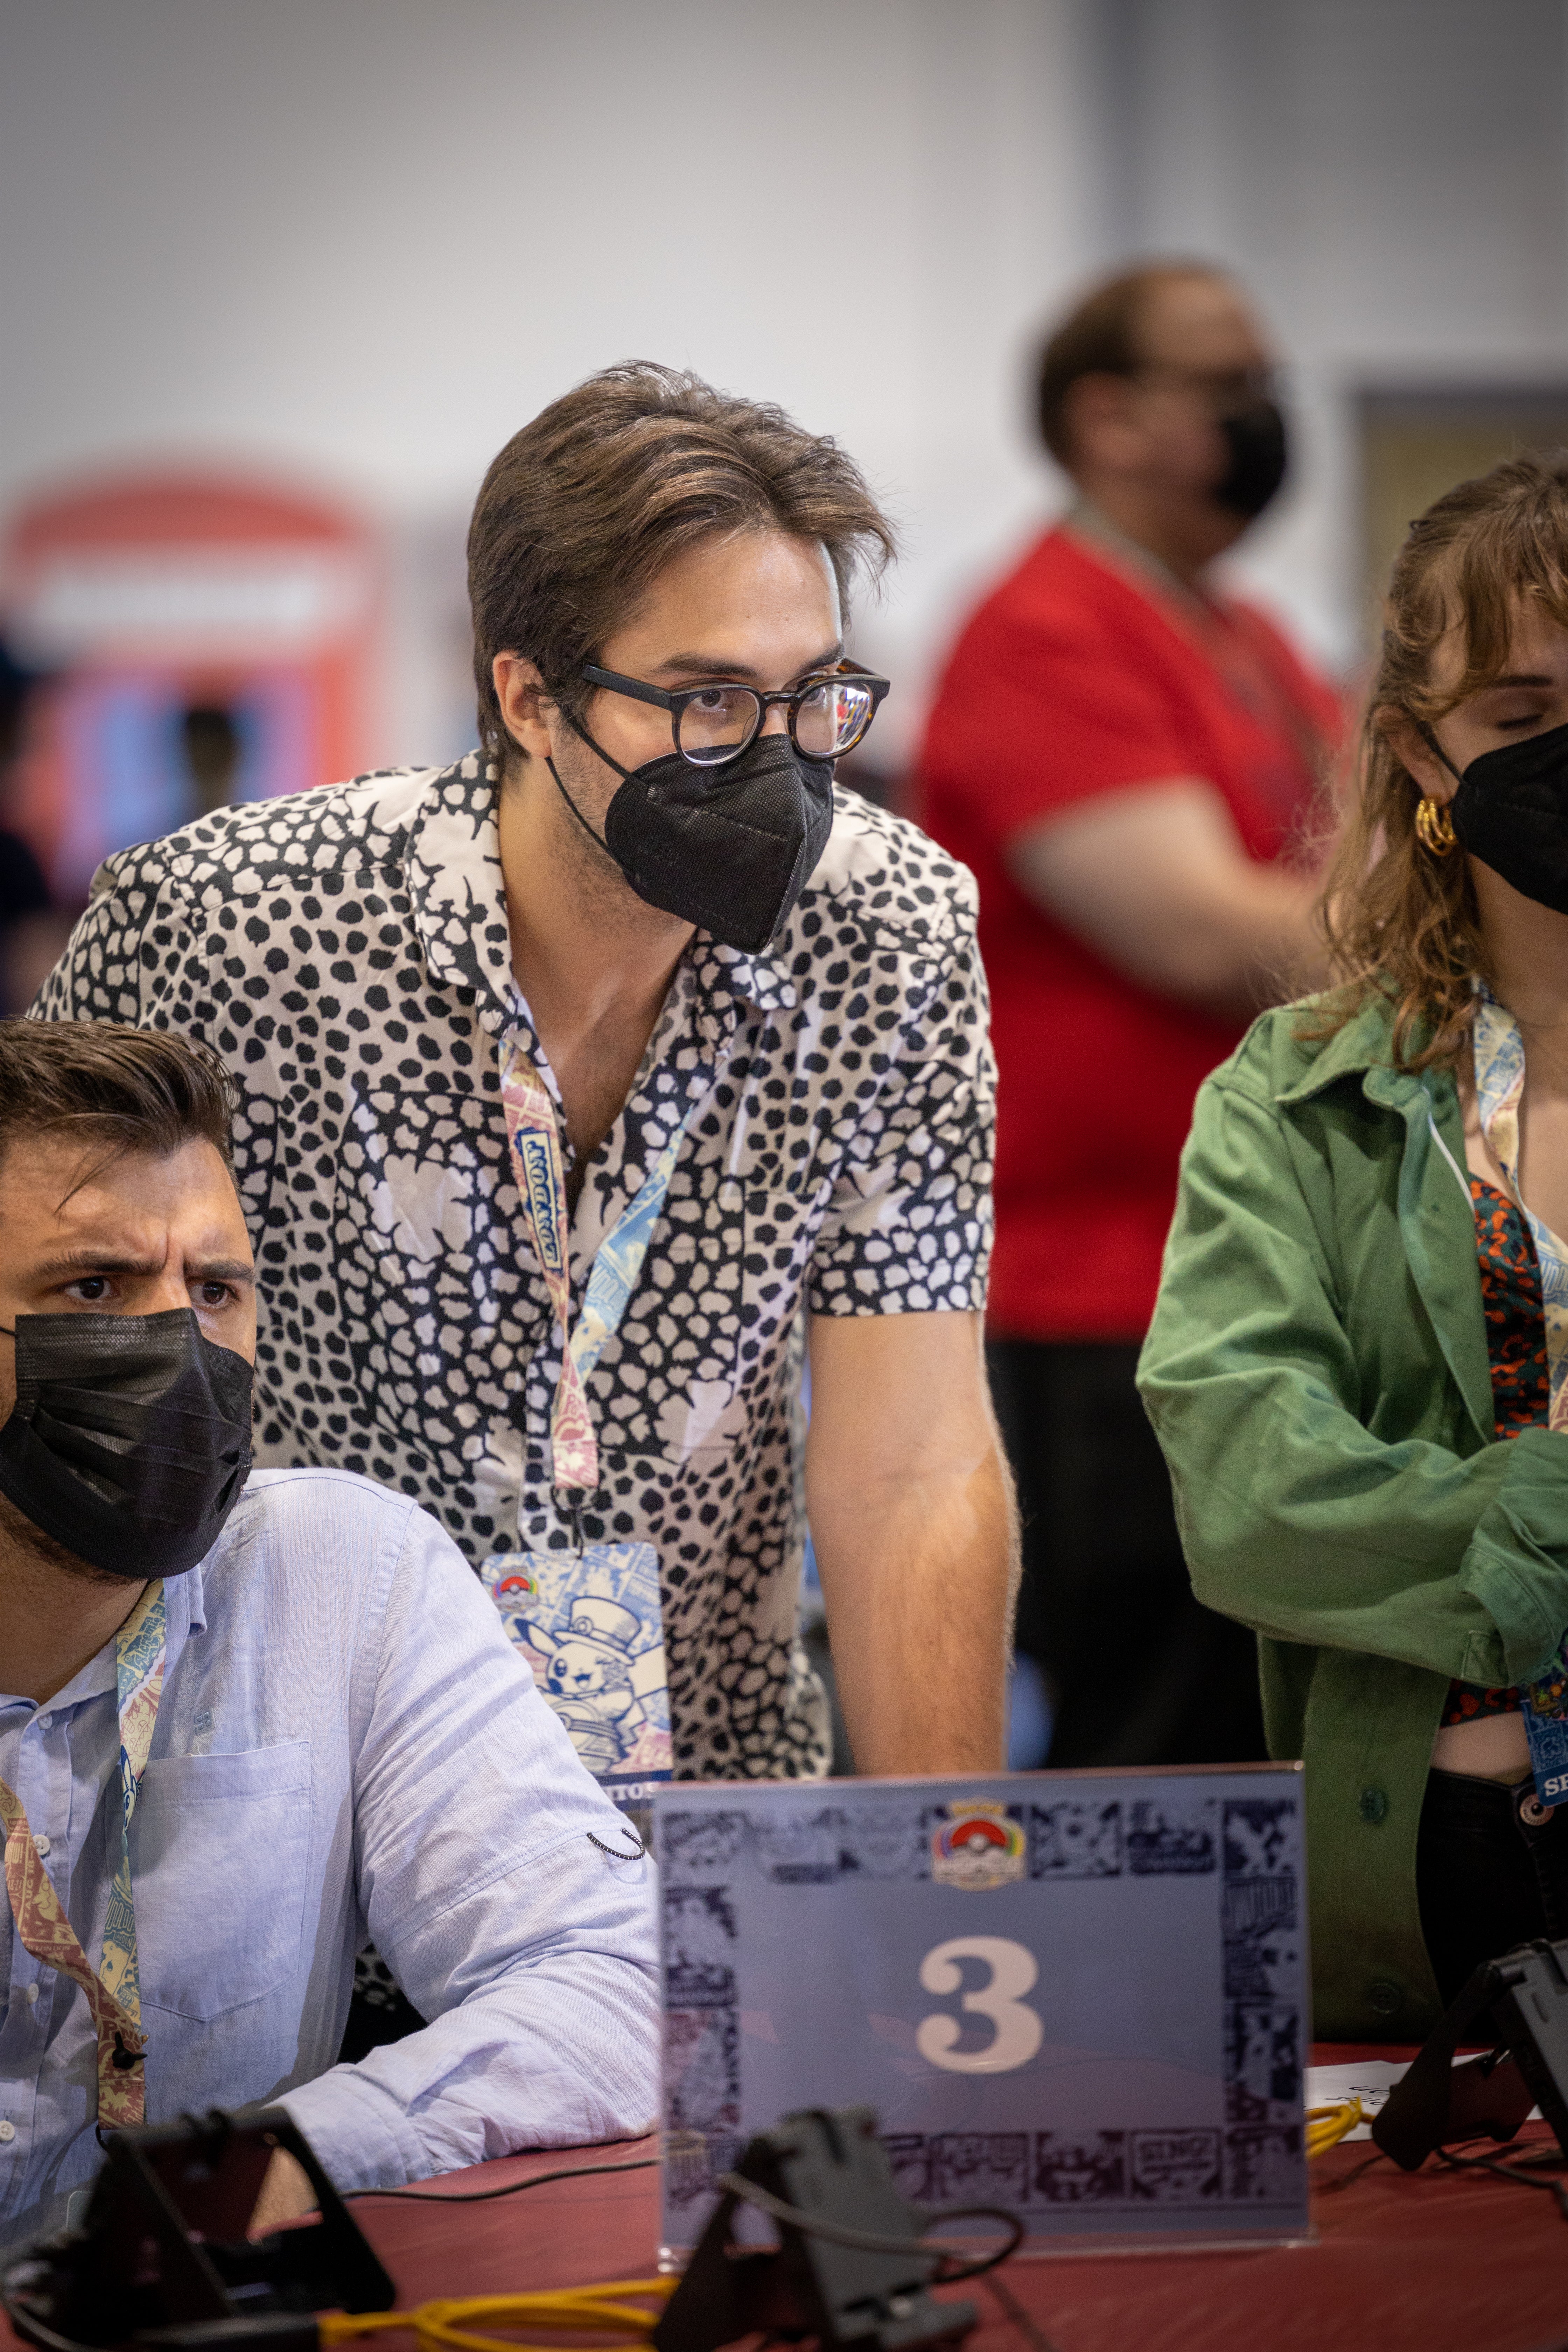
[[978, 1846]]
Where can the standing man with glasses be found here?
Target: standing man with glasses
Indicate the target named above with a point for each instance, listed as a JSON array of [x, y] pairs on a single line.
[[1125, 755], [585, 1080]]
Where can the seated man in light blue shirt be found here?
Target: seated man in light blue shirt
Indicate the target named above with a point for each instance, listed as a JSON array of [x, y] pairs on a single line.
[[249, 1720]]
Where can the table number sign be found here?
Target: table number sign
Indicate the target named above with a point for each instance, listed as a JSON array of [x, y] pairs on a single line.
[[1081, 1996]]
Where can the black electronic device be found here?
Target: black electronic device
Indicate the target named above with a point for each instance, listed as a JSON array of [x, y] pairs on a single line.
[[1523, 2001], [162, 2256], [850, 2268]]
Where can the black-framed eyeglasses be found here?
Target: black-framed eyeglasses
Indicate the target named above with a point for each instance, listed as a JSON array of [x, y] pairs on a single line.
[[713, 724]]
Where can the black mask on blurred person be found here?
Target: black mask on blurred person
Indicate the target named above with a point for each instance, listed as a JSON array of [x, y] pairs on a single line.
[[729, 848], [129, 1439], [1512, 812], [1259, 448]]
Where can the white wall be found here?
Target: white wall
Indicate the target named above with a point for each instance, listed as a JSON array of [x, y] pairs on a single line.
[[368, 238], [1391, 176]]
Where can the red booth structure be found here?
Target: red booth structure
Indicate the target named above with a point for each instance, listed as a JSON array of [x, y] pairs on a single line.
[[210, 639]]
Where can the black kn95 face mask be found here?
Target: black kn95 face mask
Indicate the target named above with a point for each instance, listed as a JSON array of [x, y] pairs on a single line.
[[729, 848], [1512, 812]]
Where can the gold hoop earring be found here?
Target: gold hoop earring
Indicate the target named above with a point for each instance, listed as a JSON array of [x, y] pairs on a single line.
[[1435, 828]]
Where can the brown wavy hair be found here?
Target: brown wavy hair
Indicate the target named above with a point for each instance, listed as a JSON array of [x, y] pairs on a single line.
[[612, 481], [1396, 919]]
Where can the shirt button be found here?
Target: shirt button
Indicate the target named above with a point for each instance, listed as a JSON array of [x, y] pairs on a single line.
[[30, 1994], [41, 1841], [7, 2132], [46, 1723], [1373, 1806], [1384, 1999]]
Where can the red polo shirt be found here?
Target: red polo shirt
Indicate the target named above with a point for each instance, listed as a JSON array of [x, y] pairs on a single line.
[[1080, 677]]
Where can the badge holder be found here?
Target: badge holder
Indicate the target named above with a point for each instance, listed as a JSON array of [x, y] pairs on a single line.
[[164, 2247], [1526, 1993]]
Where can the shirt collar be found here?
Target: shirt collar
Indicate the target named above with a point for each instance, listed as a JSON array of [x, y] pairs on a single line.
[[1087, 524], [760, 979], [459, 900]]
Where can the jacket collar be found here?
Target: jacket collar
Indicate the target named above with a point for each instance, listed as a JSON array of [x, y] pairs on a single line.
[[1363, 1047]]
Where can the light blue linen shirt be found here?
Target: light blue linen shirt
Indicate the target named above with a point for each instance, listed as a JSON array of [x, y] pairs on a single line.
[[348, 1747]]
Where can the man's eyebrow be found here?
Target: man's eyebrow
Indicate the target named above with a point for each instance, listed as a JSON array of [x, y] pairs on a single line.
[[91, 1261], [221, 1269], [704, 665]]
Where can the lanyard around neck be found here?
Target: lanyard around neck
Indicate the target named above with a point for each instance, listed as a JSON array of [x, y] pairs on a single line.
[[535, 1139], [113, 1991]]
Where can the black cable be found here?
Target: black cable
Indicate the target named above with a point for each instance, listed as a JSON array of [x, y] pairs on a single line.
[[867, 2242], [1008, 2303], [479, 2196], [33, 2330], [44, 2336], [1507, 2172]]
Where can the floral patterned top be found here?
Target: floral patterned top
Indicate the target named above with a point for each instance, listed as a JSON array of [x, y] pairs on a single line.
[[1516, 1349]]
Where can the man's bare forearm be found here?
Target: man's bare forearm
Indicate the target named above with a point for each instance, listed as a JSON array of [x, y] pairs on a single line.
[[920, 1582]]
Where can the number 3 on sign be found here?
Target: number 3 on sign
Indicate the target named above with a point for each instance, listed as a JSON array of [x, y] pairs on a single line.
[[1018, 2030]]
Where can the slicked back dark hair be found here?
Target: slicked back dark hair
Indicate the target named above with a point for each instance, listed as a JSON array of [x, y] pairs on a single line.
[[610, 483], [1102, 336], [120, 1089]]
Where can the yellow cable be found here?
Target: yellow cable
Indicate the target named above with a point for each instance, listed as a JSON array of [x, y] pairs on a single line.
[[444, 2325], [1327, 2126]]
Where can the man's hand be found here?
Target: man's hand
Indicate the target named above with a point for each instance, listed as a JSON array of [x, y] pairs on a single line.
[[286, 2193], [1156, 880], [911, 1515]]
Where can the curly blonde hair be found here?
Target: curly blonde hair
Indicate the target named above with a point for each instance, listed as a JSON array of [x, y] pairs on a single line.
[[1397, 919]]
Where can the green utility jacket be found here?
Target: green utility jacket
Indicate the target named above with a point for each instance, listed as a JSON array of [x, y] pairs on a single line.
[[1316, 1373]]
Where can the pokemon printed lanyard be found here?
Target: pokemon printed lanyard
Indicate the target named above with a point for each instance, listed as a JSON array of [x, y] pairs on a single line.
[[589, 1622], [542, 1182], [113, 1994]]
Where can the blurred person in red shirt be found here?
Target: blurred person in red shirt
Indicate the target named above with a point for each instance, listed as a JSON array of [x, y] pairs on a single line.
[[1125, 756]]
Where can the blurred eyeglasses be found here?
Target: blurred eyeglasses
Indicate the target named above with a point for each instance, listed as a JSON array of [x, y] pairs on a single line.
[[714, 724], [1225, 387]]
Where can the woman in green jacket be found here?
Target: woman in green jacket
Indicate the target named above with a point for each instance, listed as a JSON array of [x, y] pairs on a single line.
[[1358, 1366]]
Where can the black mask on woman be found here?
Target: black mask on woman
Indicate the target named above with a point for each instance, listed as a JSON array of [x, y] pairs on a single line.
[[1259, 454], [729, 848], [129, 1439], [1512, 812]]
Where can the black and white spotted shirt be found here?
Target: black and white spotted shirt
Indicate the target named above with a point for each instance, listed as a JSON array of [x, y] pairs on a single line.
[[346, 950]]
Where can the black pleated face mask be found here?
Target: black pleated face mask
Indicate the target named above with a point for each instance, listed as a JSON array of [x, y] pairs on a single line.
[[729, 848], [129, 1439], [1512, 812]]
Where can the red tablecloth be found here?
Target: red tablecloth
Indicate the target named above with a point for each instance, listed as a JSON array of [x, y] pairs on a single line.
[[1434, 2261]]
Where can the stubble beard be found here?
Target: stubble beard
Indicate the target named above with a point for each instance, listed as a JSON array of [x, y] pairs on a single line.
[[24, 1547], [597, 889]]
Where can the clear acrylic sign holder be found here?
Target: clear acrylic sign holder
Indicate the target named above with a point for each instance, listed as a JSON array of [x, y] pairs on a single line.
[[1081, 1996]]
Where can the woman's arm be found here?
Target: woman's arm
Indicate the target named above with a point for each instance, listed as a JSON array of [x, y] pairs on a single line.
[[1295, 1519]]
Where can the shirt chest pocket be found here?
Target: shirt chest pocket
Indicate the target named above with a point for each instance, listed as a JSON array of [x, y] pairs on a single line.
[[220, 1861]]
